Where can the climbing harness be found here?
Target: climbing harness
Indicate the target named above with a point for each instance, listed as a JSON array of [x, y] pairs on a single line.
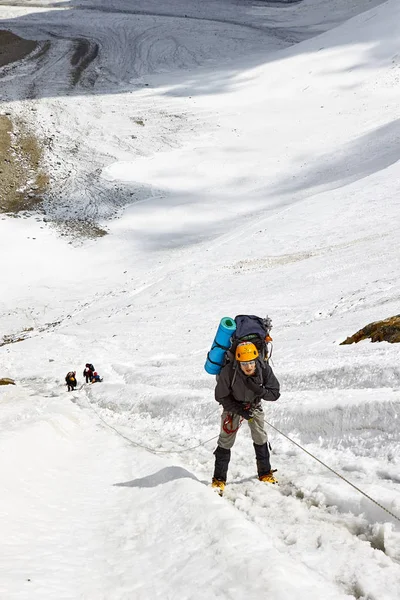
[[335, 472]]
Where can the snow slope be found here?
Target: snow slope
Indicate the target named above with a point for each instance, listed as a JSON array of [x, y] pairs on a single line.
[[275, 193]]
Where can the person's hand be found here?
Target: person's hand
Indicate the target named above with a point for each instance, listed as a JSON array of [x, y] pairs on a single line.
[[248, 414]]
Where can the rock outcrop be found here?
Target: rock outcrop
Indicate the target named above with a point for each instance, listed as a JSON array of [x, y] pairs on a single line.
[[6, 381], [387, 330]]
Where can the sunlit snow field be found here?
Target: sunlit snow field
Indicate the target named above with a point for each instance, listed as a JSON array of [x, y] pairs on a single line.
[[244, 158]]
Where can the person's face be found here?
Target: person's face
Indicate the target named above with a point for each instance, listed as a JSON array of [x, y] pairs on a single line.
[[248, 368]]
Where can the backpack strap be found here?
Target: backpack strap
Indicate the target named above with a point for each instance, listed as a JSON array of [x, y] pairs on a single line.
[[216, 345], [235, 370]]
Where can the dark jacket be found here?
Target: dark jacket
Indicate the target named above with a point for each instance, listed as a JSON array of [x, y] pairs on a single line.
[[235, 390]]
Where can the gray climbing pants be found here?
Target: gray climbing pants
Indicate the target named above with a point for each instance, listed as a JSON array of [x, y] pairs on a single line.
[[230, 422]]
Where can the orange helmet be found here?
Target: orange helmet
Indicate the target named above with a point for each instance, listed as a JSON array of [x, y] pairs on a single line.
[[246, 351]]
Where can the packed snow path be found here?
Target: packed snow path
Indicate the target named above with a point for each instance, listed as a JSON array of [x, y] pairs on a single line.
[[107, 516]]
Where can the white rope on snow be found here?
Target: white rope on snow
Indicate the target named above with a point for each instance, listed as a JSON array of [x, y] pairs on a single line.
[[335, 472]]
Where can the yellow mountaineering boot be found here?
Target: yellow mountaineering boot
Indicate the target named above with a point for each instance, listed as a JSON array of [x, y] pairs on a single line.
[[268, 478], [218, 486]]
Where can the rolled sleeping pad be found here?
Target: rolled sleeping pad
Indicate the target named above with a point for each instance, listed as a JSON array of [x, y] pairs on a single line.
[[222, 341]]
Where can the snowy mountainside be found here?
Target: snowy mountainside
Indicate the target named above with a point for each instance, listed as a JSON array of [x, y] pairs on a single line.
[[281, 199]]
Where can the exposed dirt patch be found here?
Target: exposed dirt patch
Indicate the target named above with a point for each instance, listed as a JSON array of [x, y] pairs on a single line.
[[23, 181], [13, 48], [84, 54], [20, 336], [387, 330], [80, 229]]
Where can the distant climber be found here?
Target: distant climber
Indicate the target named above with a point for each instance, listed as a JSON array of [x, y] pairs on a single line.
[[96, 378], [70, 380], [88, 372]]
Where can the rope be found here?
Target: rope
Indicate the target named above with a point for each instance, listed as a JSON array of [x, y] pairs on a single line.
[[227, 425], [333, 471], [152, 450], [211, 413]]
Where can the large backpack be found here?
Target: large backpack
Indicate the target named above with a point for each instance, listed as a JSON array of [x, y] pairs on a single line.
[[250, 328]]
